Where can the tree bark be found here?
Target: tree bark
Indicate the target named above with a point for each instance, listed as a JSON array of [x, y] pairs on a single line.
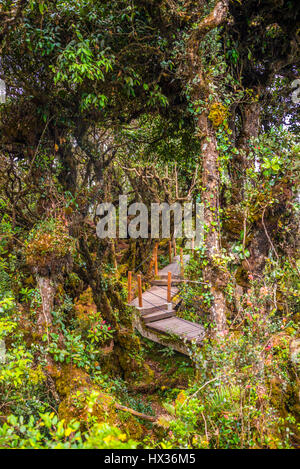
[[213, 274], [251, 123], [250, 128], [47, 290]]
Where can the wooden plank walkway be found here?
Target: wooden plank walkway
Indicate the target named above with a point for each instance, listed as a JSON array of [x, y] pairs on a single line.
[[156, 316]]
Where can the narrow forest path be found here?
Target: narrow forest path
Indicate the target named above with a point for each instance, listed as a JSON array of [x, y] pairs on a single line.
[[156, 318]]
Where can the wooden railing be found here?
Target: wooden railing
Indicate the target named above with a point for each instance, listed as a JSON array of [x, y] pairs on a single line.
[[172, 251]]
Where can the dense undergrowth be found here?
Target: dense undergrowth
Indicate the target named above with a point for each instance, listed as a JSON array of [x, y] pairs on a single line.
[[240, 392]]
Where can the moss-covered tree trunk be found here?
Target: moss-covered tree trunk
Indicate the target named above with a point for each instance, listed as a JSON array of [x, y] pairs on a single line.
[[127, 348], [199, 82], [213, 274]]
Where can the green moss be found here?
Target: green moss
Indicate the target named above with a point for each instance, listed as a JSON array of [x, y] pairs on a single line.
[[85, 402]]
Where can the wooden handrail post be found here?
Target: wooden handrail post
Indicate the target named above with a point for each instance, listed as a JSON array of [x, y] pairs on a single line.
[[181, 263], [129, 286], [170, 252], [169, 298], [155, 260], [139, 281]]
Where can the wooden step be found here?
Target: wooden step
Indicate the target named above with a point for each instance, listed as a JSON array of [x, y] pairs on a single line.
[[155, 297], [198, 336], [178, 326], [159, 323], [165, 276], [152, 309], [157, 316], [163, 282]]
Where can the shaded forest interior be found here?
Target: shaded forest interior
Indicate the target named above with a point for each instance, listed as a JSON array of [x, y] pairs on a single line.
[[164, 101]]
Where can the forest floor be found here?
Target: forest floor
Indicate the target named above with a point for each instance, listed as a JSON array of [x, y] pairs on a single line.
[[173, 372]]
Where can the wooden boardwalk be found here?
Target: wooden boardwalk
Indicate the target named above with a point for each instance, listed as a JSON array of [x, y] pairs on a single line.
[[156, 319]]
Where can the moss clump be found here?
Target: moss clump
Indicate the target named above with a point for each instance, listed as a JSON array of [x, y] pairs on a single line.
[[218, 114], [49, 247]]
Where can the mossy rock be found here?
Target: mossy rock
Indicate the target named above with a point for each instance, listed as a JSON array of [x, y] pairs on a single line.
[[84, 401], [76, 405]]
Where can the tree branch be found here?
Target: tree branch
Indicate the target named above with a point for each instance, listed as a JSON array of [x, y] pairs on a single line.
[[216, 17]]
